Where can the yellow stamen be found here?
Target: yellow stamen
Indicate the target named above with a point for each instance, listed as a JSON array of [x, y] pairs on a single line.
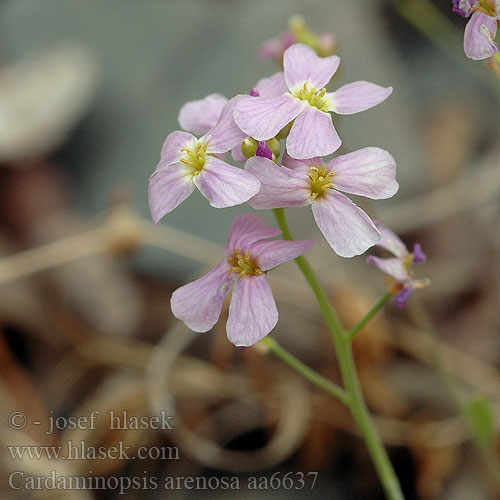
[[314, 97], [320, 181], [194, 157], [243, 265]]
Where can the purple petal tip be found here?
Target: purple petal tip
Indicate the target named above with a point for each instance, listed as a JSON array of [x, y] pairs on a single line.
[[462, 7], [418, 254], [402, 297], [254, 92]]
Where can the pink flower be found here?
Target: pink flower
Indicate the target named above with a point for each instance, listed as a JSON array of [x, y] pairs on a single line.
[[307, 104], [369, 172], [247, 258], [187, 162], [400, 283], [481, 28]]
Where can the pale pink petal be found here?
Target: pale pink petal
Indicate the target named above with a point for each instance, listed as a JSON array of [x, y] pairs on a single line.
[[302, 64], [225, 133], [168, 187], [393, 266], [312, 134], [272, 86], [357, 96], [346, 227], [302, 166], [479, 35], [224, 185], [269, 254], [199, 303], [171, 149], [262, 118], [199, 116], [245, 230], [391, 241], [237, 154], [252, 312], [280, 186], [369, 172]]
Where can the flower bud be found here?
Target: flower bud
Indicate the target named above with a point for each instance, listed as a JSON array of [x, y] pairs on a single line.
[[274, 146], [249, 147]]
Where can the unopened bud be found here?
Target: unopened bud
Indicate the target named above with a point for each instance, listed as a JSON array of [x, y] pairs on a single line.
[[249, 147], [274, 146]]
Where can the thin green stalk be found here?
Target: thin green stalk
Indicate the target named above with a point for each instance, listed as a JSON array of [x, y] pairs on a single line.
[[304, 370], [436, 26], [375, 308], [343, 348], [425, 324], [327, 310]]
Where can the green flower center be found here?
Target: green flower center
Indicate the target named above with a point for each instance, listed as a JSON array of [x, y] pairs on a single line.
[[314, 97], [320, 181], [243, 265], [194, 156]]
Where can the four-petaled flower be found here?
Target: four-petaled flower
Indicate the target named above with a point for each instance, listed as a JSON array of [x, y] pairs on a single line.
[[307, 104], [247, 258], [369, 172], [187, 162], [398, 268]]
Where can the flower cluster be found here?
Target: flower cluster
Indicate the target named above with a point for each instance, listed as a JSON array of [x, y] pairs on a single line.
[[481, 29], [293, 106]]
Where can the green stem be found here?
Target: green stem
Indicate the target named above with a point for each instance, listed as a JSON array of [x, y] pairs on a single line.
[[456, 393], [343, 349], [375, 308], [438, 28], [308, 373]]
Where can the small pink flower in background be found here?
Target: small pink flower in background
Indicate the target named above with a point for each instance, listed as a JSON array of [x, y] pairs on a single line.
[[274, 48], [324, 43], [369, 172], [400, 277], [481, 29], [187, 162], [247, 258], [307, 104]]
